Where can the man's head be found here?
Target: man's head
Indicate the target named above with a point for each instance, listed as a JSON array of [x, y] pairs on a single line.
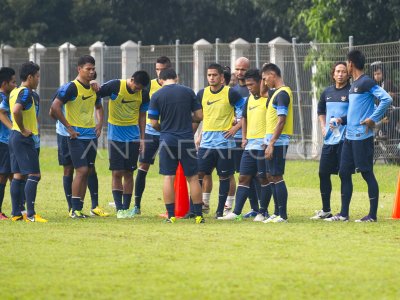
[[86, 67], [355, 61], [252, 79], [168, 74], [162, 63], [7, 80], [242, 64], [29, 74], [339, 73], [271, 74], [139, 80], [378, 71], [227, 76], [215, 74]]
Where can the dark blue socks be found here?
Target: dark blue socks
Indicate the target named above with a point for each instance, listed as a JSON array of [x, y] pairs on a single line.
[[242, 193], [2, 188], [373, 192], [223, 193], [67, 184], [282, 195], [16, 196], [93, 185], [127, 198], [117, 195], [140, 184], [30, 194], [325, 186], [170, 209], [266, 194]]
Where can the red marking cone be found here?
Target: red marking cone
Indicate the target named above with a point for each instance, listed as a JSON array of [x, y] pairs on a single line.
[[181, 193], [396, 204]]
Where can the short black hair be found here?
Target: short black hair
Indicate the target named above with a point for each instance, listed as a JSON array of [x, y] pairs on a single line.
[[227, 74], [168, 74], [28, 68], [215, 66], [253, 74], [357, 58], [6, 74], [164, 60], [141, 77], [86, 59], [270, 67]]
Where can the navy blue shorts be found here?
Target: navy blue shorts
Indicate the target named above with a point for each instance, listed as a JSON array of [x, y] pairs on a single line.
[[329, 162], [64, 157], [123, 155], [152, 143], [24, 157], [253, 163], [83, 152], [221, 159], [237, 153], [276, 166], [5, 166], [357, 156], [170, 156]]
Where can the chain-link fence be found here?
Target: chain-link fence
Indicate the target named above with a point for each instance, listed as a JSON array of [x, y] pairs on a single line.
[[305, 68]]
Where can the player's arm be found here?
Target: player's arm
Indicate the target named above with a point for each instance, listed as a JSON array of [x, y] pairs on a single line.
[[144, 107], [263, 89], [4, 109], [154, 113], [244, 125], [23, 99], [384, 102], [321, 110], [236, 100], [197, 111], [282, 110], [99, 117]]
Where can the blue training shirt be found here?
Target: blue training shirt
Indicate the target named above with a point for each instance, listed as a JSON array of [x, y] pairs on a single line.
[[174, 104], [4, 131], [281, 104], [244, 92], [334, 102], [362, 95]]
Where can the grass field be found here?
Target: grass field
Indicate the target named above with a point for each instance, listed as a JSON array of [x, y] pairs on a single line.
[[143, 258]]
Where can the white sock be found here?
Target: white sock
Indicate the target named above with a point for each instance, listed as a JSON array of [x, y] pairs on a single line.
[[229, 201], [206, 198]]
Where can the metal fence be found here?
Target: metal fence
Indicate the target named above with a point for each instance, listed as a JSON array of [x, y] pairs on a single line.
[[305, 68]]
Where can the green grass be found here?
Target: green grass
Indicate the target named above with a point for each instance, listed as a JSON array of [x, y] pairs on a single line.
[[106, 258]]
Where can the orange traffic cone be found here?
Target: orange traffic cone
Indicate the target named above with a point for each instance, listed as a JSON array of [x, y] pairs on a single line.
[[181, 193], [396, 204]]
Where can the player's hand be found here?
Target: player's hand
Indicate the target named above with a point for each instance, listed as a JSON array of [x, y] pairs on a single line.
[[72, 133], [95, 85], [323, 130], [269, 152], [26, 132], [98, 129], [197, 143], [244, 143], [370, 124], [141, 146], [230, 133]]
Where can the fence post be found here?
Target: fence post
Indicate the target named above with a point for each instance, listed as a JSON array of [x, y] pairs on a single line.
[[217, 41], [238, 47], [177, 42], [299, 101], [5, 51], [36, 51], [351, 42], [66, 51], [97, 51], [276, 52], [129, 58], [200, 48], [258, 53], [315, 128]]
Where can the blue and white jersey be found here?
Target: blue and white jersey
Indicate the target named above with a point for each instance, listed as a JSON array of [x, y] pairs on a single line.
[[244, 92], [255, 144], [4, 131], [334, 102], [362, 95]]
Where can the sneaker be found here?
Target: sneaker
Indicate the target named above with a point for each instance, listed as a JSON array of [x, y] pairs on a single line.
[[189, 215], [36, 218], [278, 219], [17, 218], [227, 210], [77, 214], [24, 214], [260, 217], [219, 215], [231, 216], [337, 218], [137, 210], [365, 219], [130, 213], [250, 214], [170, 220], [270, 218], [3, 216], [205, 208], [320, 214], [200, 219], [98, 211], [122, 214]]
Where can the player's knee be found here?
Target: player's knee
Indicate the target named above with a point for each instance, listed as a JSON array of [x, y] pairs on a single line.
[[3, 178], [143, 166], [244, 180], [344, 174], [68, 170], [201, 175]]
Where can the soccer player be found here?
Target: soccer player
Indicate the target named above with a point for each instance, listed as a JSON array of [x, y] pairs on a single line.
[[23, 155], [279, 128], [358, 147], [174, 105], [252, 162], [334, 102], [7, 84], [152, 138], [127, 109], [80, 101], [218, 102]]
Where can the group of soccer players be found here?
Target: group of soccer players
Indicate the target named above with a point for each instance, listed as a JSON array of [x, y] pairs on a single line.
[[245, 128]]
